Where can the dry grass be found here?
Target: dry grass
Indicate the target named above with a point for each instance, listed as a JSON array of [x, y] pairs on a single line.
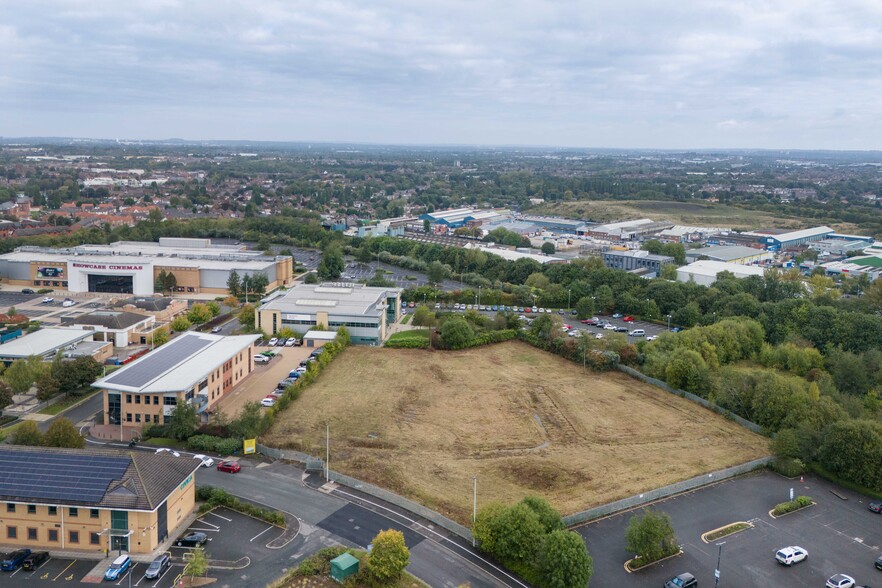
[[421, 423]]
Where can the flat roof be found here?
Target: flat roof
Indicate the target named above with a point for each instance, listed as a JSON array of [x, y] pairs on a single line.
[[43, 342], [726, 252], [707, 267], [794, 235], [337, 298], [320, 335], [178, 365], [516, 255], [639, 254]]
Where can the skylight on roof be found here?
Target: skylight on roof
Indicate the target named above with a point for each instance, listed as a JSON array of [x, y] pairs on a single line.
[[311, 302]]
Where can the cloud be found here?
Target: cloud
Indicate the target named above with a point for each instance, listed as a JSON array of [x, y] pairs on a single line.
[[628, 74]]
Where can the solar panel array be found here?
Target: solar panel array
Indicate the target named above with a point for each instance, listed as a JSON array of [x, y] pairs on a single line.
[[159, 361], [31, 475]]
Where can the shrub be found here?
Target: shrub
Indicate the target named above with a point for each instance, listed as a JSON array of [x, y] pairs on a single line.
[[789, 467], [792, 505]]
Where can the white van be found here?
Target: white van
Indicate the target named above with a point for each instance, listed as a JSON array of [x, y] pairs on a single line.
[[637, 333]]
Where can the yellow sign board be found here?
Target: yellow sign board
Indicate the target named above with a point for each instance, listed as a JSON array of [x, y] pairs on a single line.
[[250, 446]]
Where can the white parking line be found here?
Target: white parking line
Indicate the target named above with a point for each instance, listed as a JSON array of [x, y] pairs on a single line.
[[261, 533], [215, 530], [220, 517], [207, 523]]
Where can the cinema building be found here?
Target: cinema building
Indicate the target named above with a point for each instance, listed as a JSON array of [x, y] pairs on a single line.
[[129, 267]]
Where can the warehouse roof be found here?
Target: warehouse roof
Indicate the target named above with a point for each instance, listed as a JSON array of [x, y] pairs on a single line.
[[338, 298], [712, 268], [178, 365], [804, 233], [42, 343], [726, 252], [97, 478]]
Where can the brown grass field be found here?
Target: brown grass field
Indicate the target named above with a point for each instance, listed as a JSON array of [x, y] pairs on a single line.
[[422, 423]]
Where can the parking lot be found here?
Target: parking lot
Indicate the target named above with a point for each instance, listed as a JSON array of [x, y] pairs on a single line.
[[57, 570], [841, 536]]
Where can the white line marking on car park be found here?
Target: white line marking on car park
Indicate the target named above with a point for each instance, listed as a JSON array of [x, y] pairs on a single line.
[[261, 533], [220, 517]]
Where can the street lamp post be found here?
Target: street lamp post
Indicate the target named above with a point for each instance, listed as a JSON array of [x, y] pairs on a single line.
[[569, 299], [669, 322], [719, 557], [474, 506], [479, 296]]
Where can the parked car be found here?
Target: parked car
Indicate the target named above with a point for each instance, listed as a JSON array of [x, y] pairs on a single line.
[[598, 336], [684, 580], [12, 560], [166, 449], [621, 329], [628, 319], [637, 333], [790, 555], [268, 402], [840, 581], [48, 300], [68, 303], [281, 342], [194, 539], [411, 304], [651, 338], [272, 342], [878, 563], [231, 467], [676, 329], [260, 358], [290, 342], [298, 342], [119, 567], [617, 315], [609, 327], [875, 507], [216, 330], [158, 567], [35, 560], [27, 291], [206, 461]]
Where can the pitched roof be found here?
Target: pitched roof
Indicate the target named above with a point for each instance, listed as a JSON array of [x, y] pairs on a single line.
[[109, 319], [145, 482]]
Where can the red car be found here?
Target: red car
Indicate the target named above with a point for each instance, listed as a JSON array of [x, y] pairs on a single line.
[[228, 466], [628, 319]]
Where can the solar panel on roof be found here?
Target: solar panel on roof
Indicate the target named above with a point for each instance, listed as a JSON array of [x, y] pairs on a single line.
[[159, 361], [30, 475]]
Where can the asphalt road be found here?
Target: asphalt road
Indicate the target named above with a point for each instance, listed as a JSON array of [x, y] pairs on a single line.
[[841, 536], [403, 278]]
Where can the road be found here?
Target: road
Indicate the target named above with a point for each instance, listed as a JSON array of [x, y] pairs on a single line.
[[350, 520]]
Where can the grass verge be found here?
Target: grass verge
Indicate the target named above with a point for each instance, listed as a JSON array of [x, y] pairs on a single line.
[[820, 471], [63, 405], [730, 529]]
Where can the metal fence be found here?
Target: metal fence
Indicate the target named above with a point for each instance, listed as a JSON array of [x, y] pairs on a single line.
[[418, 509], [690, 396], [664, 492]]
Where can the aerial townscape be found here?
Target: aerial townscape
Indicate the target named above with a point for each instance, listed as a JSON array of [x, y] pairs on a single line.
[[386, 318]]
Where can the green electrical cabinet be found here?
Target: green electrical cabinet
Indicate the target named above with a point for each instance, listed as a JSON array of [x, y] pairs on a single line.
[[343, 566]]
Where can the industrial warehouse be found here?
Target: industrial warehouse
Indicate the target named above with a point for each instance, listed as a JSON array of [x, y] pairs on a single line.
[[130, 267]]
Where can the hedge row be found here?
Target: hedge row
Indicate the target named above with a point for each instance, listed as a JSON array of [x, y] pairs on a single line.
[[792, 505], [214, 497], [212, 444], [487, 338]]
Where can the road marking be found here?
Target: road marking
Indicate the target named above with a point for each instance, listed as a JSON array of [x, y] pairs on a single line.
[[215, 530], [220, 517], [64, 570], [207, 523], [261, 533]]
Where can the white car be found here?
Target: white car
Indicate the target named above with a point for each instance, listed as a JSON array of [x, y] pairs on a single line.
[[790, 555], [261, 359], [575, 333], [172, 451], [206, 461], [216, 329], [301, 369], [68, 303], [609, 327], [48, 300], [272, 342], [840, 581], [437, 305], [290, 342], [268, 401], [651, 338], [598, 336]]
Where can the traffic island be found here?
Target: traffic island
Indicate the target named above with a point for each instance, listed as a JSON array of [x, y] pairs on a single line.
[[634, 564], [725, 531], [785, 508]]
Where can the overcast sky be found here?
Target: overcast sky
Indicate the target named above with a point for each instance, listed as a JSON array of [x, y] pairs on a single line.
[[589, 73]]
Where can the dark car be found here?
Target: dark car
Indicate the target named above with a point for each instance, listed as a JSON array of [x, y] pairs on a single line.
[[158, 567], [621, 329], [27, 291], [35, 560], [878, 563], [194, 539], [875, 506], [684, 580], [12, 561], [228, 466]]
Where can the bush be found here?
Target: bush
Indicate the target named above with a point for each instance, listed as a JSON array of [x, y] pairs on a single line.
[[789, 467], [792, 505]]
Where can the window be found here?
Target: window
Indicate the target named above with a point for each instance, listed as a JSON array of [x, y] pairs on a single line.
[[146, 418], [53, 511], [119, 520], [12, 532], [94, 539], [10, 507], [128, 417], [93, 513], [156, 400], [128, 398], [32, 509], [32, 534], [138, 417], [170, 401], [74, 537], [73, 512], [137, 399], [53, 535]]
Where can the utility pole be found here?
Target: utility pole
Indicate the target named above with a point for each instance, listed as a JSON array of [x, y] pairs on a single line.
[[327, 452], [474, 506], [719, 557], [569, 299]]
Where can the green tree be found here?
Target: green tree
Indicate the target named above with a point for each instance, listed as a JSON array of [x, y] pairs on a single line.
[[27, 433], [311, 278], [549, 517], [199, 313], [605, 298], [437, 272], [47, 386], [427, 226], [183, 421], [63, 433], [388, 557], [197, 565], [250, 422], [564, 561], [343, 337], [76, 374], [160, 337], [171, 282], [651, 536], [668, 272], [423, 317], [180, 323], [22, 373], [486, 530], [214, 308], [548, 248], [331, 265], [234, 284], [246, 317], [519, 534], [456, 332], [585, 307], [161, 281]]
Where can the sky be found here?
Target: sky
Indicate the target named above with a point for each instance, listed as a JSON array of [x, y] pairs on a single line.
[[678, 74]]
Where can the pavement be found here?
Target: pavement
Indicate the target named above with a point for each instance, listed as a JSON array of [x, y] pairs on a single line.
[[840, 534]]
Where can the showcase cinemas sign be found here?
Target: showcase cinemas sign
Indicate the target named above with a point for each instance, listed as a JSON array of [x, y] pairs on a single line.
[[107, 266]]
